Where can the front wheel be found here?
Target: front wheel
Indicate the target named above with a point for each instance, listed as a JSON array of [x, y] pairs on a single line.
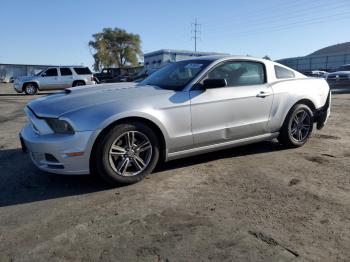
[[30, 89], [297, 126], [127, 153]]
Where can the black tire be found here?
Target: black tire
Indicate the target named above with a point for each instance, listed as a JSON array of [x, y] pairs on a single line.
[[30, 89], [102, 153], [290, 129], [78, 83]]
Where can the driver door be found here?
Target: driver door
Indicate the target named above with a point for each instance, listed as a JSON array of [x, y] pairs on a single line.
[[239, 110]]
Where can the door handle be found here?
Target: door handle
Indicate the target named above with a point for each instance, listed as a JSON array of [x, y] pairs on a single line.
[[263, 94]]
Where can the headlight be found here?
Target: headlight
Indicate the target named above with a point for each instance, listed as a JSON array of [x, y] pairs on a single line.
[[59, 126]]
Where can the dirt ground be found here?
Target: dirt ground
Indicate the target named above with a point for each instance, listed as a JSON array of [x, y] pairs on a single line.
[[252, 203]]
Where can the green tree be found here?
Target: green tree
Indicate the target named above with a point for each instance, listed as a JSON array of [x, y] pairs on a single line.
[[266, 57], [115, 47]]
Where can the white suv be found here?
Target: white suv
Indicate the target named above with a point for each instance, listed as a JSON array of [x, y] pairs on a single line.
[[54, 78]]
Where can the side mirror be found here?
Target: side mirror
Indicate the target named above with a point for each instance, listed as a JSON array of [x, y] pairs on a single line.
[[43, 74], [214, 83]]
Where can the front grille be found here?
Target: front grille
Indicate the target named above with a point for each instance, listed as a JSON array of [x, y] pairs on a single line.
[[55, 166]]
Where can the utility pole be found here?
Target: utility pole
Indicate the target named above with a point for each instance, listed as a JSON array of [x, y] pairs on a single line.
[[195, 33]]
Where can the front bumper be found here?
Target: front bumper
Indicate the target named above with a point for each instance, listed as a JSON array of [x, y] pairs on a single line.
[[90, 82], [49, 152], [17, 86]]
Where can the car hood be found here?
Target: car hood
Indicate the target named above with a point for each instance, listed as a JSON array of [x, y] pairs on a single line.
[[25, 78], [339, 73], [78, 98]]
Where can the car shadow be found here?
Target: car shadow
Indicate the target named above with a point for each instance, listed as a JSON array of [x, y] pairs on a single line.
[[252, 149], [24, 95], [22, 182]]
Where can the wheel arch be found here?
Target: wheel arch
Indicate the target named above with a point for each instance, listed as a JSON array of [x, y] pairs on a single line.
[[78, 80], [307, 102], [304, 101], [158, 131], [30, 82]]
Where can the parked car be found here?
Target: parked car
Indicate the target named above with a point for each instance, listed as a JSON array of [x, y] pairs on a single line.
[[108, 74], [319, 73], [121, 78], [120, 131], [341, 77], [54, 78], [143, 74], [137, 77], [6, 79]]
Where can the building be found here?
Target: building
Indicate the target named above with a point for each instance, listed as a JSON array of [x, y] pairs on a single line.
[[327, 59], [162, 57], [15, 70]]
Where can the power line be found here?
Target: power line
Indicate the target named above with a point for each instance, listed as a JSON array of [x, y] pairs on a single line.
[[255, 21], [239, 15], [195, 33], [319, 20]]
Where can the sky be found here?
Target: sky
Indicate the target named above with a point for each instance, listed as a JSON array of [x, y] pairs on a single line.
[[58, 32]]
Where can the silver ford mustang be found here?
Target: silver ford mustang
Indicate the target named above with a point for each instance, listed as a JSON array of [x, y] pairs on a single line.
[[121, 131]]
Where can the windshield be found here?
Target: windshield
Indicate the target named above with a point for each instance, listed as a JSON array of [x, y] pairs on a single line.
[[176, 76], [344, 68], [37, 74]]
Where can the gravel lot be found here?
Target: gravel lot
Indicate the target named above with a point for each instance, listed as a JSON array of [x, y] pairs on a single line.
[[253, 203]]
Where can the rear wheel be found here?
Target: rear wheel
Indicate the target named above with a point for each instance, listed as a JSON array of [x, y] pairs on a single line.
[[78, 83], [127, 153], [30, 89], [297, 126]]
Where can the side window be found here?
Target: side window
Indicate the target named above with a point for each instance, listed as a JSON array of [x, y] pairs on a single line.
[[50, 72], [239, 73], [65, 71], [282, 72], [82, 70], [184, 73]]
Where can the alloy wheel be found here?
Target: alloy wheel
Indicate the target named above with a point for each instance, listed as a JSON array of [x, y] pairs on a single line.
[[300, 126], [30, 89], [130, 153]]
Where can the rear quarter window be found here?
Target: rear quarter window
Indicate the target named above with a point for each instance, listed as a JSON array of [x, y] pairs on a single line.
[[282, 73], [82, 70]]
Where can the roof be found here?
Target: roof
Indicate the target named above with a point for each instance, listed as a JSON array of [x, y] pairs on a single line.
[[181, 52], [42, 65], [333, 49], [225, 57]]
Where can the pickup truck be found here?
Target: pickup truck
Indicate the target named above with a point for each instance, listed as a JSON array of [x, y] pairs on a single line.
[[109, 73]]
